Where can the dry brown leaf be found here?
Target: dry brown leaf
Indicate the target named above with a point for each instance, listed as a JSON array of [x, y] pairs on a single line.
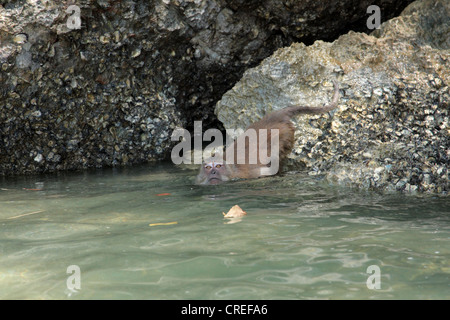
[[235, 212]]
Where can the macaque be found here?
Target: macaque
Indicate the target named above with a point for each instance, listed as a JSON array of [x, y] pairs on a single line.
[[262, 148], [213, 172]]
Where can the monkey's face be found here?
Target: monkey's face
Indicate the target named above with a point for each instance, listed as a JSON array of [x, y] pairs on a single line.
[[213, 172]]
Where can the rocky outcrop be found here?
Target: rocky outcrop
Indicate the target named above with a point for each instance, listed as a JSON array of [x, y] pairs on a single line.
[[111, 90], [392, 129]]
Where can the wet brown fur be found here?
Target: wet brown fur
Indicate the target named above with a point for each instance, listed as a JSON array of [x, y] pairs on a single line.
[[281, 120]]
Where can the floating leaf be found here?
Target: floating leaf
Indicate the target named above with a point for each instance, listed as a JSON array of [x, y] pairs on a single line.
[[235, 212]]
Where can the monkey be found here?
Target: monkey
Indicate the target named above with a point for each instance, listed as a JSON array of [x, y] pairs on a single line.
[[213, 171], [246, 160]]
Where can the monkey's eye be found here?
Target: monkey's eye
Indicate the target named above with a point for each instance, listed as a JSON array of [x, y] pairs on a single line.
[[208, 166], [218, 166]]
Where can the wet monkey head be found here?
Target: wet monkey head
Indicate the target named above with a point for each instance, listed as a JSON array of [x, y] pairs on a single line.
[[213, 171]]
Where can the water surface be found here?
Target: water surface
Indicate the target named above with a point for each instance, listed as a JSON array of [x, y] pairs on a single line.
[[148, 232]]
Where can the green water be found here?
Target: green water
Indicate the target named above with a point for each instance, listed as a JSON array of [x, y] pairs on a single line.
[[301, 238]]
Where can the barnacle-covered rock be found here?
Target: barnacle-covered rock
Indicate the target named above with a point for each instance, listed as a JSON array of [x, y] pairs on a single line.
[[107, 81], [391, 130]]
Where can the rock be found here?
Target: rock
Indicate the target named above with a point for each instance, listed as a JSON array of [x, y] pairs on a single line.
[[116, 71], [393, 106], [39, 158]]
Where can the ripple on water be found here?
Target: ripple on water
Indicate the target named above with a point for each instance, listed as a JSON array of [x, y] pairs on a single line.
[[301, 239]]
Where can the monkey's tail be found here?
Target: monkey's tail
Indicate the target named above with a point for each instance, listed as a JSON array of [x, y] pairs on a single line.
[[294, 110]]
